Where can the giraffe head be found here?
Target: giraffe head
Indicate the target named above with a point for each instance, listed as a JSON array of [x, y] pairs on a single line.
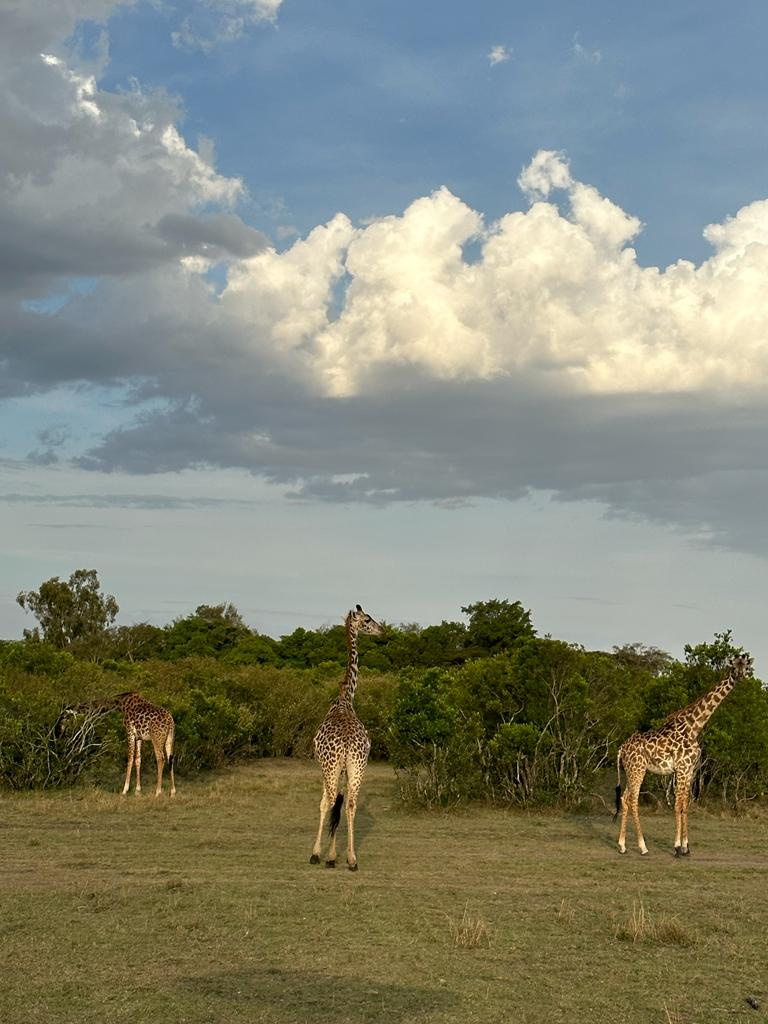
[[64, 716], [362, 622], [740, 666]]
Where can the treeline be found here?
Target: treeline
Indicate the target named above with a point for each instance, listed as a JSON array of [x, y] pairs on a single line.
[[485, 709], [75, 616]]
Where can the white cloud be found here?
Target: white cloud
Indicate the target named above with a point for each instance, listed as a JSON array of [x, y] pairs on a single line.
[[212, 23], [499, 54], [370, 362], [92, 176], [583, 54], [546, 171]]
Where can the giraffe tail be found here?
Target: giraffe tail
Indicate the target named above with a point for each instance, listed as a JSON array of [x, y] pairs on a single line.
[[618, 786], [336, 814], [169, 747]]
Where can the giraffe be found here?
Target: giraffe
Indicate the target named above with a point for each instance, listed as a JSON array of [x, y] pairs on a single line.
[[342, 744], [671, 749], [143, 721]]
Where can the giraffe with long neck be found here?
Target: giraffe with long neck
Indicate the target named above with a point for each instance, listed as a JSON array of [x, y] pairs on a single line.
[[671, 749], [342, 745], [143, 721]]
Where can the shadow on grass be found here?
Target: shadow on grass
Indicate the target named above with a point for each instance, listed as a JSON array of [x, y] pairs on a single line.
[[600, 831], [289, 996], [603, 832], [365, 825]]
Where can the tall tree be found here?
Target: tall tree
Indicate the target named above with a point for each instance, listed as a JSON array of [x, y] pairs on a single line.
[[71, 612], [210, 631], [496, 625]]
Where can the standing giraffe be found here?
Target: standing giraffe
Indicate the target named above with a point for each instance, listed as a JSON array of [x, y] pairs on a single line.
[[143, 721], [671, 749], [342, 744]]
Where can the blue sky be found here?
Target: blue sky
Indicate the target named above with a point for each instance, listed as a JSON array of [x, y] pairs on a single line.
[[362, 107], [311, 303]]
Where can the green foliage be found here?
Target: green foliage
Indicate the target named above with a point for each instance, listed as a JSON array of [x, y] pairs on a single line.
[[70, 613], [223, 713], [252, 649], [486, 710], [35, 657], [536, 725], [30, 754], [496, 625], [212, 631], [136, 643], [307, 648], [211, 731]]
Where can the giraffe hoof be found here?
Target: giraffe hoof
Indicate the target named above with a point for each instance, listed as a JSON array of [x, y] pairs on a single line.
[[314, 859], [330, 863], [622, 852], [352, 867]]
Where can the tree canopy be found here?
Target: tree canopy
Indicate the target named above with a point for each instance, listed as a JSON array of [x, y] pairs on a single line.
[[69, 612]]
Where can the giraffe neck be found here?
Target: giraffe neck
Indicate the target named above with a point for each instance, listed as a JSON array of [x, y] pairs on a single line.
[[105, 703], [347, 691], [697, 715]]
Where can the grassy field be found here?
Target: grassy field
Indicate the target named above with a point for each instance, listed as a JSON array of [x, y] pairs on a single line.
[[206, 909]]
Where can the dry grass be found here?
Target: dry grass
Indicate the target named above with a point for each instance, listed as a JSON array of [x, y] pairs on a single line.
[[566, 911], [471, 931], [206, 910], [664, 929]]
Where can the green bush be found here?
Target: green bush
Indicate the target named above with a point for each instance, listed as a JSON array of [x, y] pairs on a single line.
[[537, 723]]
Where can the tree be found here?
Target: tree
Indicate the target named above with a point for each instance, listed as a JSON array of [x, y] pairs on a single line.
[[496, 625], [712, 657], [70, 613], [639, 656], [137, 642], [209, 632]]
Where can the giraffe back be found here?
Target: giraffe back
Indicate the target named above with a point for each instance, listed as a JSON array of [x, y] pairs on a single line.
[[341, 734], [145, 720]]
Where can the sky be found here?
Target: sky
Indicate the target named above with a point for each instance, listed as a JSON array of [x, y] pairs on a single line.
[[308, 303]]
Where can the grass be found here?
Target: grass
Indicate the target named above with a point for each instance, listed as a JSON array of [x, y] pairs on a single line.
[[471, 931], [205, 910], [664, 929]]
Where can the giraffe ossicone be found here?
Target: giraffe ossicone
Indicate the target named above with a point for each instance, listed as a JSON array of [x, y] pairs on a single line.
[[342, 745], [143, 720], [672, 749]]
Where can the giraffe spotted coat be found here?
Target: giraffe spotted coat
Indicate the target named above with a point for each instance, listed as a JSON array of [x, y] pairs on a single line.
[[671, 749], [342, 746], [143, 720]]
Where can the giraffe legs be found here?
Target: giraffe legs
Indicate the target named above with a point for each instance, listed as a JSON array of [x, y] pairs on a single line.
[[137, 790], [159, 758], [629, 802], [331, 776], [129, 769], [682, 801], [169, 756], [355, 771]]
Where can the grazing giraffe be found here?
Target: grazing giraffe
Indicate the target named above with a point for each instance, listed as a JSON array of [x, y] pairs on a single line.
[[143, 721], [671, 749], [342, 744]]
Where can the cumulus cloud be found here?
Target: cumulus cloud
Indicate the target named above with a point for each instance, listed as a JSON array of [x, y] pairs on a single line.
[[374, 362], [94, 179]]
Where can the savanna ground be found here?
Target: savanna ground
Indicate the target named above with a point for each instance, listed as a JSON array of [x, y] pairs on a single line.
[[206, 909]]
